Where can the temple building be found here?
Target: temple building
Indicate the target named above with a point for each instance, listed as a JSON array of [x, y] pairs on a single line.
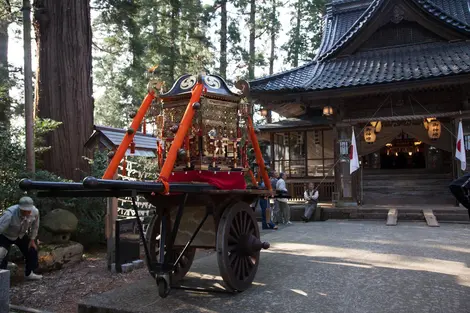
[[398, 73]]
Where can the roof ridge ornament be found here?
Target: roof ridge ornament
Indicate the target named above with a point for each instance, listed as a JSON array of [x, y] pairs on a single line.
[[398, 14]]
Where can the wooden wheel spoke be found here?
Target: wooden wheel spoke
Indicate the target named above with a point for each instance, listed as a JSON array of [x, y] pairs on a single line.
[[242, 271], [231, 239], [237, 267], [232, 258], [237, 226], [253, 229], [251, 261], [237, 223], [248, 266], [154, 237], [232, 248], [245, 226]]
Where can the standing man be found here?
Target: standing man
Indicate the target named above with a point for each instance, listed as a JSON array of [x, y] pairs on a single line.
[[275, 205], [311, 196], [283, 206], [266, 222], [14, 224]]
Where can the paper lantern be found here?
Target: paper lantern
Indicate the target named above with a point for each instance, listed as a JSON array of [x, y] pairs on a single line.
[[377, 125], [328, 111], [434, 130], [369, 135]]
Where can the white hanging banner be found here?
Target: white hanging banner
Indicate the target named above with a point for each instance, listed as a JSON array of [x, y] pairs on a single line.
[[353, 158], [460, 149]]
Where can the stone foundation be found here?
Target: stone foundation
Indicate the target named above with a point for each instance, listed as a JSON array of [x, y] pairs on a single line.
[[58, 256]]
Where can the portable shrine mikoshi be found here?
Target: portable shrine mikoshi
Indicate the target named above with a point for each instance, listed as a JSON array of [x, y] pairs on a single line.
[[201, 198]]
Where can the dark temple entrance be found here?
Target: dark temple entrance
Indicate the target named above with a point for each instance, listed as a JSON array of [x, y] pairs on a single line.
[[403, 154], [407, 171]]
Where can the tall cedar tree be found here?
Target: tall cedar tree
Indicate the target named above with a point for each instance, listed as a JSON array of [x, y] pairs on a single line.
[[6, 18], [305, 35], [64, 83], [167, 33], [270, 24], [223, 38]]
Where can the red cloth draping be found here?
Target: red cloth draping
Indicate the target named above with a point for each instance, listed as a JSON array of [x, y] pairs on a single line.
[[221, 180]]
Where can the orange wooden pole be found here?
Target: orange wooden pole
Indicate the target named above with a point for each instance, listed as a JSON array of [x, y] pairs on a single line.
[[121, 151], [259, 156], [180, 135]]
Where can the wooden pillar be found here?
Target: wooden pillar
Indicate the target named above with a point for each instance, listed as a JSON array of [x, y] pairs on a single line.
[[110, 223], [346, 181]]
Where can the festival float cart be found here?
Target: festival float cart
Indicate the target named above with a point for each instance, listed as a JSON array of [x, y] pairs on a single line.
[[201, 198]]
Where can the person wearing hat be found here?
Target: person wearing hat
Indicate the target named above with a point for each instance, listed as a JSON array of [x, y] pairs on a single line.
[[14, 223]]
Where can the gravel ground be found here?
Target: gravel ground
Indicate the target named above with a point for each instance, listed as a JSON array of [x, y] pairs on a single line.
[[60, 291]]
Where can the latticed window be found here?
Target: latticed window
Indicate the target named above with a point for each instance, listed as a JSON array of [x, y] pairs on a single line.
[[304, 153]]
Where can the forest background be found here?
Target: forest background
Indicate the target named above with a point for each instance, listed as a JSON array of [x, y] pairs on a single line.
[[90, 64]]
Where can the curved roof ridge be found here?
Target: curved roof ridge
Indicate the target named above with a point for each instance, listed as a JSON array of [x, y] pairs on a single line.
[[318, 71], [361, 21], [258, 80], [435, 10]]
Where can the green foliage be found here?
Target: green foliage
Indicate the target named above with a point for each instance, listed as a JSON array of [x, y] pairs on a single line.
[[305, 35], [137, 35], [43, 126], [89, 211], [12, 167]]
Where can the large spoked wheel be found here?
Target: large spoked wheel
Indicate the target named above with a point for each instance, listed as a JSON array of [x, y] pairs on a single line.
[[153, 239], [238, 246]]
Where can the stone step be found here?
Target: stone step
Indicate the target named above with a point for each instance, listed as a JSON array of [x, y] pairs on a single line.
[[403, 214], [406, 176], [417, 188], [380, 213], [393, 180], [435, 194]]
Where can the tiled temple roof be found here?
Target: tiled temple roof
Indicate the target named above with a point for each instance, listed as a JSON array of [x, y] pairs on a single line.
[[384, 65]]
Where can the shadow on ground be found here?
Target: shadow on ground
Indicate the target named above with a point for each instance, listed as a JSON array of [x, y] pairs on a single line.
[[327, 267]]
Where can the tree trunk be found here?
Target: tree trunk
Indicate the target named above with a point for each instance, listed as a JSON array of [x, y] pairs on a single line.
[[251, 61], [64, 83], [223, 38], [273, 32], [297, 33], [4, 73], [175, 12]]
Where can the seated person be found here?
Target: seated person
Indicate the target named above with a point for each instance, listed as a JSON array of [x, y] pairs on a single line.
[[311, 196]]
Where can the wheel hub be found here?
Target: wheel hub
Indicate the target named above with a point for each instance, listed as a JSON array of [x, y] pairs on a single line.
[[249, 245]]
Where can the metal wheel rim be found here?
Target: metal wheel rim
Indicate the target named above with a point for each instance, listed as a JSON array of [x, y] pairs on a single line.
[[184, 264], [237, 271]]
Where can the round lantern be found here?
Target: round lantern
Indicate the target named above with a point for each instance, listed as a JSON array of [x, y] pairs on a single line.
[[369, 134], [377, 125], [434, 130], [328, 111]]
